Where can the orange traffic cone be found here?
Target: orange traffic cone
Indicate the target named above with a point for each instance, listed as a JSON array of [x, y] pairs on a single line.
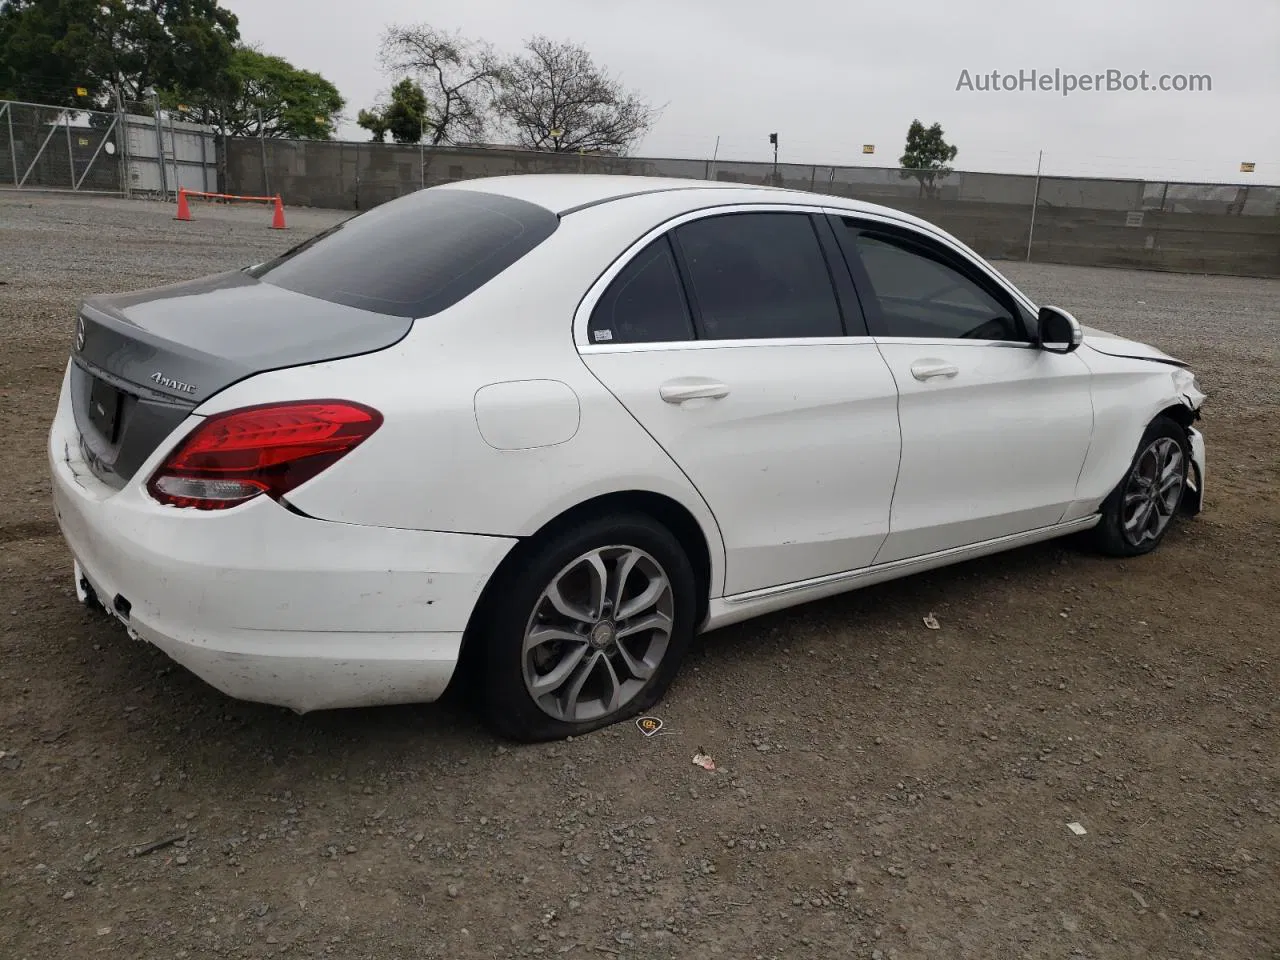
[[183, 212], [277, 222]]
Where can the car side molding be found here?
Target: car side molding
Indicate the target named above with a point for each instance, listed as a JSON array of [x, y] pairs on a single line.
[[723, 611]]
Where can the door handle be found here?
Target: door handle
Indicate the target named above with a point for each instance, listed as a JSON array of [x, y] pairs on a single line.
[[929, 369], [692, 388]]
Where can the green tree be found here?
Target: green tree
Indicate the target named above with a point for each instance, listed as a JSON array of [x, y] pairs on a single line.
[[50, 48], [927, 156], [406, 117], [375, 122], [261, 95]]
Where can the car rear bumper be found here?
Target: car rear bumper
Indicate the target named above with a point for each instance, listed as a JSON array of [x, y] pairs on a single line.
[[268, 605]]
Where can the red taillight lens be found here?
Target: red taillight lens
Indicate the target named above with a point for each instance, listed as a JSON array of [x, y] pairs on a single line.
[[235, 456]]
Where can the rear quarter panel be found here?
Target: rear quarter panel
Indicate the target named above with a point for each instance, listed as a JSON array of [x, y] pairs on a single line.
[[429, 467]]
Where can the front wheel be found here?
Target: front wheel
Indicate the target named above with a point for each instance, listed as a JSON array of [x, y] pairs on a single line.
[[1137, 514], [589, 630]]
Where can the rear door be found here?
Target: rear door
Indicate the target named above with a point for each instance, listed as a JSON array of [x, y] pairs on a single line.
[[994, 429], [724, 335]]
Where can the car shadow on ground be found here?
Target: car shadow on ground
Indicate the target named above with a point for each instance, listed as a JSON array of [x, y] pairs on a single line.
[[168, 711]]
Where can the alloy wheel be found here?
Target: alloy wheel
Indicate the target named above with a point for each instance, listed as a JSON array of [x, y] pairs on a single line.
[[597, 634], [1153, 491]]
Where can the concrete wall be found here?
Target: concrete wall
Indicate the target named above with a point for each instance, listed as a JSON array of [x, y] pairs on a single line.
[[1197, 228]]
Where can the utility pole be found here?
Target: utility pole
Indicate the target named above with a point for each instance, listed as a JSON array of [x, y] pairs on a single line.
[[262, 146], [1035, 203], [122, 134], [773, 138], [164, 173]]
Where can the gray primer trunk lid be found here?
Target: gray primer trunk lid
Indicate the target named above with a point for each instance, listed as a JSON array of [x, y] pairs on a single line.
[[159, 353]]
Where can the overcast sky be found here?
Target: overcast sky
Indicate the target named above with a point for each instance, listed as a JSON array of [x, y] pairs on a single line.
[[829, 76]]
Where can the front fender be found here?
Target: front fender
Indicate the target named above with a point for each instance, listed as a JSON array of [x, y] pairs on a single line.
[[1128, 393]]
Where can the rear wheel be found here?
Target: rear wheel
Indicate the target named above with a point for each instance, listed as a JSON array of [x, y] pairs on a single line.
[[1137, 514], [588, 630]]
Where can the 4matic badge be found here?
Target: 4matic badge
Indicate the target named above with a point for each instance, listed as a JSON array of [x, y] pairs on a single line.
[[171, 383]]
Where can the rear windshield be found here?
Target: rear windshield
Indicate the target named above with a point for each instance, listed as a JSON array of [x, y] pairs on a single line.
[[413, 256]]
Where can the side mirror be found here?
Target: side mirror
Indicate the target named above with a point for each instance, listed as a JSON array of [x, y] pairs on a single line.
[[1060, 332]]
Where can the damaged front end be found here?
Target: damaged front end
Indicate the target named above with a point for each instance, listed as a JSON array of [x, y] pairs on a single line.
[[1191, 398]]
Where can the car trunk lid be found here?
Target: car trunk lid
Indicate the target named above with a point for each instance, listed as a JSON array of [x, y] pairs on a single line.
[[142, 362]]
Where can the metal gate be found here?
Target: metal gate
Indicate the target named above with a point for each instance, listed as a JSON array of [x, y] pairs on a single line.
[[65, 148], [59, 148]]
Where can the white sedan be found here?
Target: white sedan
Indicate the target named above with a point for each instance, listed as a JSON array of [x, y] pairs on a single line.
[[555, 426]]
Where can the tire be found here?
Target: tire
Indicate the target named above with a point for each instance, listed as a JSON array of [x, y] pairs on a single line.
[[629, 671], [1111, 536]]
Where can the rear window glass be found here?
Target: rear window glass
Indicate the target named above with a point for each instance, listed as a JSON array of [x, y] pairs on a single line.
[[414, 256]]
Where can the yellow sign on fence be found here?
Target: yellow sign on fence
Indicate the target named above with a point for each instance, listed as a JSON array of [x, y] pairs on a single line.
[[81, 92]]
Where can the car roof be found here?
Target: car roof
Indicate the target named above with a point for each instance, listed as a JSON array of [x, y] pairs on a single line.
[[564, 193]]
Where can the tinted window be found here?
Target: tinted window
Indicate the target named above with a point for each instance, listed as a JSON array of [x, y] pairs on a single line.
[[759, 275], [644, 303], [919, 295], [414, 256]]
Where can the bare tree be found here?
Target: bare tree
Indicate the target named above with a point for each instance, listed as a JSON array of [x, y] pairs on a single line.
[[458, 76], [554, 97]]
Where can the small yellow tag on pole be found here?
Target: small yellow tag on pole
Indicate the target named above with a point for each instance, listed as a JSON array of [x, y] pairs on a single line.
[[81, 92]]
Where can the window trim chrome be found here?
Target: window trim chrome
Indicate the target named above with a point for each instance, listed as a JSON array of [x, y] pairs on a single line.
[[674, 345]]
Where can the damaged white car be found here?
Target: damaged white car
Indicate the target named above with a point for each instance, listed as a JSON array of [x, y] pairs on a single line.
[[554, 426]]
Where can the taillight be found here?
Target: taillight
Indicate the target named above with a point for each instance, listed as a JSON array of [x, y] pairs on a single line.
[[238, 455]]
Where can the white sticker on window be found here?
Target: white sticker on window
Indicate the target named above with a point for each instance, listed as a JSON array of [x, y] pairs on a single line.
[[603, 334]]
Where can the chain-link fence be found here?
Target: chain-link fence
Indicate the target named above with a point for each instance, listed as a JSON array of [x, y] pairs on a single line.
[[60, 148], [124, 152], [1185, 227]]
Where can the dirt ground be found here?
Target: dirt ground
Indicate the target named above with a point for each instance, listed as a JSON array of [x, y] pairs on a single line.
[[882, 790]]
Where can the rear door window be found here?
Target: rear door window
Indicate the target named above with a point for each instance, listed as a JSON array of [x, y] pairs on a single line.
[[759, 276], [415, 256]]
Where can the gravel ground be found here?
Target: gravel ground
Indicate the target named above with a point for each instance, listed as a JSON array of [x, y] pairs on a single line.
[[881, 790]]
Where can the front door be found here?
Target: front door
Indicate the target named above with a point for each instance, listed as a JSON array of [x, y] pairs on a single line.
[[994, 430]]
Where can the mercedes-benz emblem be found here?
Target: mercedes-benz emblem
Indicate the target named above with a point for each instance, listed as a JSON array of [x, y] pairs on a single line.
[[79, 333], [602, 634]]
